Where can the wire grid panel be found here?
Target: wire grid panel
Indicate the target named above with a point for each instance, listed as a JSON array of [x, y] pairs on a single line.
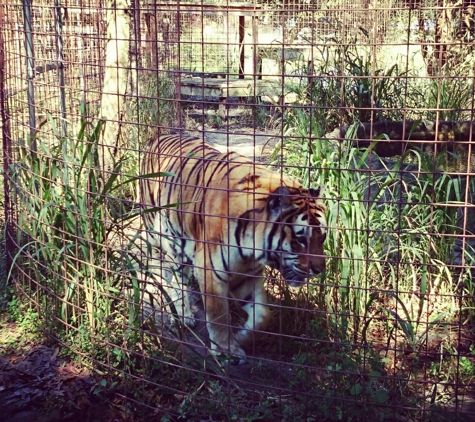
[[370, 101]]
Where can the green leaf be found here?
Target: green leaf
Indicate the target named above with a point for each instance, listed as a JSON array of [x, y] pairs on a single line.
[[381, 396], [356, 390], [406, 326], [112, 178]]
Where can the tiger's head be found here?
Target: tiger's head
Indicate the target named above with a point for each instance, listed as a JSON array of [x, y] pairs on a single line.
[[296, 233]]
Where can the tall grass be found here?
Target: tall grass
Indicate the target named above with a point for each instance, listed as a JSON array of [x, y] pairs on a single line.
[[344, 84], [392, 226], [392, 232], [153, 112], [75, 250], [449, 98]]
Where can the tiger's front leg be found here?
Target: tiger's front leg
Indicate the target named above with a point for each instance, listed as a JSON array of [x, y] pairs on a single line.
[[167, 282], [253, 299], [215, 295]]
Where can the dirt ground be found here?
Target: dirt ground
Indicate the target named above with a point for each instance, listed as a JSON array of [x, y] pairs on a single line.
[[38, 385]]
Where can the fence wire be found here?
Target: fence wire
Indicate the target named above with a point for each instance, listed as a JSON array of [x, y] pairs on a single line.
[[372, 101]]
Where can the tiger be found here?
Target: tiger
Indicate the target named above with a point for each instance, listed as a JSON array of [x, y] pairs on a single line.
[[226, 218]]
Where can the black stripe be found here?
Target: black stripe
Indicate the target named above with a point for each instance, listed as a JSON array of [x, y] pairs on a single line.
[[210, 257], [224, 259]]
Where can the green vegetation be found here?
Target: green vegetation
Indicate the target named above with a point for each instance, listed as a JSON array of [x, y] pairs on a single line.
[[389, 311], [389, 228], [393, 280], [152, 112], [75, 249], [392, 240]]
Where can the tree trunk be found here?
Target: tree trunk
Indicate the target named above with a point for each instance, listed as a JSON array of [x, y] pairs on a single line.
[[116, 76], [453, 35]]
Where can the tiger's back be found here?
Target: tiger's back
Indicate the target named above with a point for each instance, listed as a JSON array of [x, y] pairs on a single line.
[[206, 183], [230, 218]]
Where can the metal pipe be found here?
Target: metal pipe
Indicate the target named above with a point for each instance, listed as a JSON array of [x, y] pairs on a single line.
[[30, 69], [59, 54]]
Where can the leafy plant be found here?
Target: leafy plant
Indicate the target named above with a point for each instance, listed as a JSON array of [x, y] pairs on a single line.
[[331, 374], [448, 97], [412, 214], [372, 94], [344, 85], [155, 108], [153, 112], [392, 271], [71, 224], [345, 192], [215, 120]]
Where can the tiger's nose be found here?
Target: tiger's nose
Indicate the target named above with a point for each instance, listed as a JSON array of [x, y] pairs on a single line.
[[318, 267]]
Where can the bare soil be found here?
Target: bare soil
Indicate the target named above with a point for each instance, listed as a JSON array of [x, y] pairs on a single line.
[[38, 385]]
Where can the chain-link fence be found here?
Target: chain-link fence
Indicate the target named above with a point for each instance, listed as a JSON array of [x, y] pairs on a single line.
[[194, 277]]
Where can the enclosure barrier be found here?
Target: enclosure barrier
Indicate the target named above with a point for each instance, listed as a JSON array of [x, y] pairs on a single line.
[[372, 101]]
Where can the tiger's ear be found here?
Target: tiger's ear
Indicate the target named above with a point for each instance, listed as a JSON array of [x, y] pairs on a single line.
[[279, 199], [314, 192]]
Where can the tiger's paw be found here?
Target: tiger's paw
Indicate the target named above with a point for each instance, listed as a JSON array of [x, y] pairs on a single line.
[[234, 350], [246, 336], [189, 320], [243, 337]]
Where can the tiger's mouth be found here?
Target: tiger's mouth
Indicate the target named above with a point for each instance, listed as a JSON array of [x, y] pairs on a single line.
[[294, 278]]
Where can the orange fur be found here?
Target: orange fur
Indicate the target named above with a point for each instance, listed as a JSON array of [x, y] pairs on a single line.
[[232, 219]]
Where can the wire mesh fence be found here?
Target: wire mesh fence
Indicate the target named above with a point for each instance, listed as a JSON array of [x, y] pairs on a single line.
[[307, 254]]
